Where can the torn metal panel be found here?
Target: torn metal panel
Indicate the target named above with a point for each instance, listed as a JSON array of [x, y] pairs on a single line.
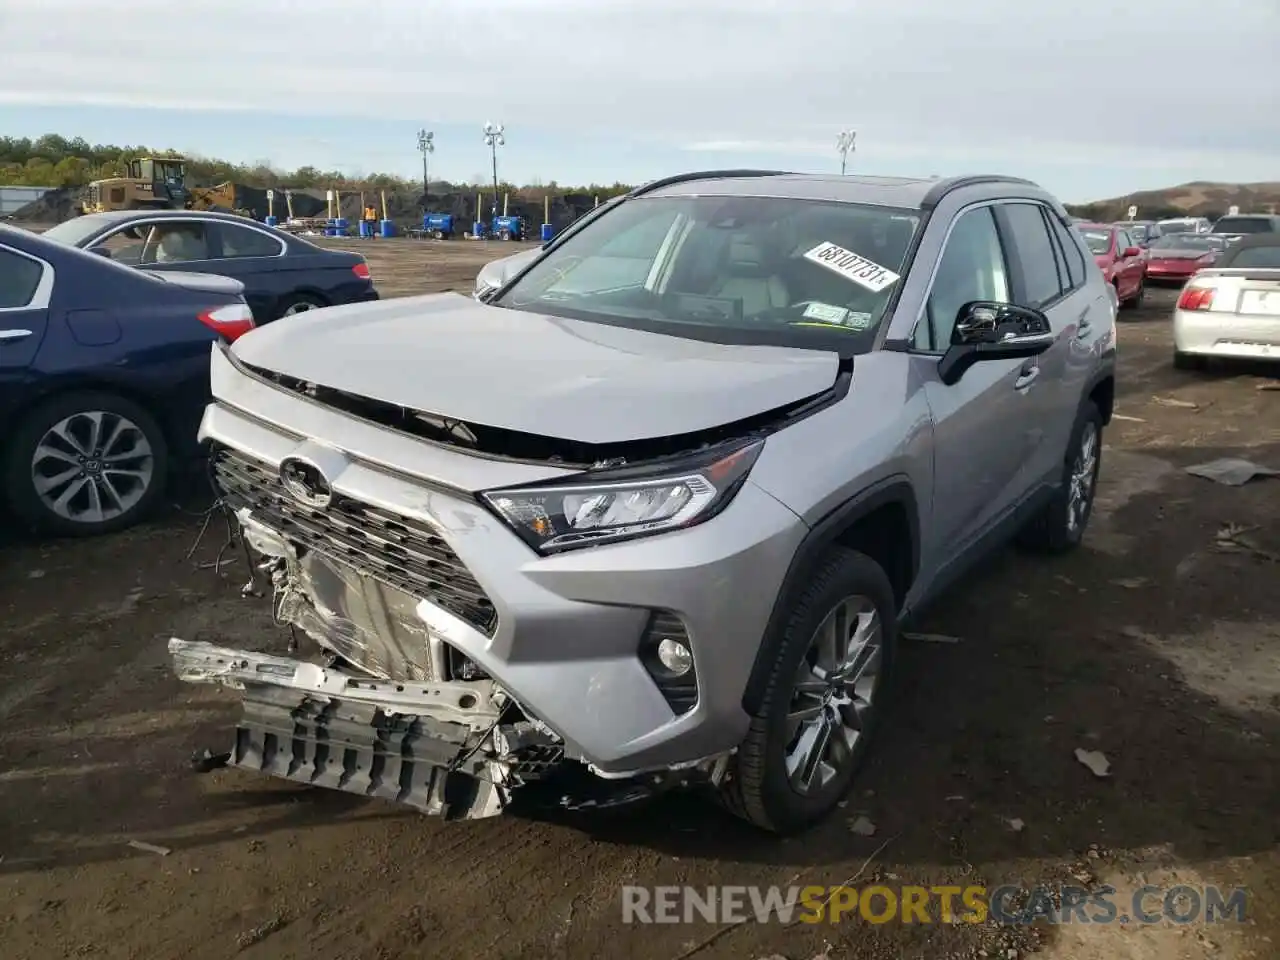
[[357, 748], [474, 703]]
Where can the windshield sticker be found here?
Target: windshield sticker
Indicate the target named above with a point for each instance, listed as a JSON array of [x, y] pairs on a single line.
[[825, 312], [865, 273], [857, 321]]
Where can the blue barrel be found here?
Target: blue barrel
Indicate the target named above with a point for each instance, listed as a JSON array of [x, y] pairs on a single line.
[[340, 225], [387, 228], [272, 221], [366, 229], [548, 232], [477, 229]]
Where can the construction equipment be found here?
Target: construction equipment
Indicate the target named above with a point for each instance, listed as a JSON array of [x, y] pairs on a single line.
[[158, 183]]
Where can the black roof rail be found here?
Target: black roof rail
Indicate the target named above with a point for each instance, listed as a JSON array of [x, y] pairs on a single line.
[[703, 175], [943, 187]]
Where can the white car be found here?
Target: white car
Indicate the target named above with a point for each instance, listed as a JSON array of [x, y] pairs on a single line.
[[1232, 309], [1185, 225]]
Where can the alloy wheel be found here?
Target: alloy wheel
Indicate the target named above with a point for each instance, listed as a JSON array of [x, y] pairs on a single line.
[[1083, 472], [92, 466], [832, 696], [302, 306]]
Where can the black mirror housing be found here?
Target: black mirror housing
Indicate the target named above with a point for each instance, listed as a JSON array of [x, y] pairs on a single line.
[[988, 330]]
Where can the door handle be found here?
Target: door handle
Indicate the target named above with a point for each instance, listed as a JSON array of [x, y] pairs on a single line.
[[1026, 378], [7, 335]]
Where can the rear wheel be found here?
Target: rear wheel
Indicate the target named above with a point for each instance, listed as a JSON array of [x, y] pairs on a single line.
[[831, 659], [296, 303], [86, 463]]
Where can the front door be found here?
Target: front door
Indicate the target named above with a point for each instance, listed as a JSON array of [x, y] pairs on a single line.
[[983, 431]]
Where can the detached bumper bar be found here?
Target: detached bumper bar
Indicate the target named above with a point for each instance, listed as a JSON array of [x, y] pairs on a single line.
[[305, 723]]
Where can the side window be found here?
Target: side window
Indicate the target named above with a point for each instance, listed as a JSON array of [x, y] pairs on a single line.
[[175, 241], [243, 242], [1123, 242], [1035, 252], [972, 267], [1071, 254], [19, 280], [126, 244]]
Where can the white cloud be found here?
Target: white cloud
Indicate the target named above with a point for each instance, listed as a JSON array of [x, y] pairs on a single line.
[[983, 80]]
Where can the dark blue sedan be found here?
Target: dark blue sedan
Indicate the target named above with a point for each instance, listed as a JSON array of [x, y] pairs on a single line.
[[104, 374], [282, 274]]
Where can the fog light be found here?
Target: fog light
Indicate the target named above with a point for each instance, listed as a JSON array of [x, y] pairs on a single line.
[[675, 656]]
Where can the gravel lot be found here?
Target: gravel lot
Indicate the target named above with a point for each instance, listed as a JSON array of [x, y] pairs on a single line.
[[1155, 645]]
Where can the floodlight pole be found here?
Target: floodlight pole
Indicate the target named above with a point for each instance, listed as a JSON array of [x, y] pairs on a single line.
[[493, 138], [845, 144], [426, 144]]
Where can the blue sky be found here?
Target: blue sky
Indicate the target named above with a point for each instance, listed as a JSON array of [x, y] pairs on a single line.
[[604, 90]]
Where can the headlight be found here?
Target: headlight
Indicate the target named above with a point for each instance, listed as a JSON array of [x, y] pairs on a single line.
[[624, 504]]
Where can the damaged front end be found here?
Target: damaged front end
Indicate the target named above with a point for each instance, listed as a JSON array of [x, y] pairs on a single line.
[[385, 710]]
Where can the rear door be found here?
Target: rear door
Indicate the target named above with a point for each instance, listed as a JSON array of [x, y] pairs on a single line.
[[259, 260], [26, 292]]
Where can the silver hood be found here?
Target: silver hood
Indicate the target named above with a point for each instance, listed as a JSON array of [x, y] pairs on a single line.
[[452, 356]]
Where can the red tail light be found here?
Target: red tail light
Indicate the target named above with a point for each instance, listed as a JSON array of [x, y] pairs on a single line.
[[230, 322], [361, 270], [1196, 298]]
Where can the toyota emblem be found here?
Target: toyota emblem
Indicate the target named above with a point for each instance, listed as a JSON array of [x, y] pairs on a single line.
[[305, 482]]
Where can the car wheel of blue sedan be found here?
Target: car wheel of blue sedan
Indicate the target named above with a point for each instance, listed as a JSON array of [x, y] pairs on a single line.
[[85, 463]]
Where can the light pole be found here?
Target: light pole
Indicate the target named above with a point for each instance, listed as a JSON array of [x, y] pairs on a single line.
[[844, 143], [427, 145], [494, 139]]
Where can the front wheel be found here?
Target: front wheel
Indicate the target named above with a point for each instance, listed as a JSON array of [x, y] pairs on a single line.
[[1061, 523], [831, 659], [85, 464]]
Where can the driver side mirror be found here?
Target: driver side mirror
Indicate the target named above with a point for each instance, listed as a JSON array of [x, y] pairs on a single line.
[[986, 330], [1132, 252], [101, 251]]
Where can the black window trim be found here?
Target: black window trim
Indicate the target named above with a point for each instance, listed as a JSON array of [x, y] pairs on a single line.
[[1057, 232], [1018, 279]]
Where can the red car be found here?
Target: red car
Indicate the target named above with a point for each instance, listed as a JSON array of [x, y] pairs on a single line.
[[1176, 256], [1119, 258]]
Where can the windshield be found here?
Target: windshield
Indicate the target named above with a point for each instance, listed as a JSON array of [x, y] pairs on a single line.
[[798, 272], [1243, 225], [1186, 241], [1099, 241], [1267, 258], [76, 229]]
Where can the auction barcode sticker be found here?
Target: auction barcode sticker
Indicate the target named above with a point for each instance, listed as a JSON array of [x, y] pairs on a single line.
[[851, 266]]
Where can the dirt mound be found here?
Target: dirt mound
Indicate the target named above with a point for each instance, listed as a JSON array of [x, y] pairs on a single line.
[[54, 207]]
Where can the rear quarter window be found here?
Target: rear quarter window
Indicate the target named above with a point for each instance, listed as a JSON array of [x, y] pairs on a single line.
[[19, 280]]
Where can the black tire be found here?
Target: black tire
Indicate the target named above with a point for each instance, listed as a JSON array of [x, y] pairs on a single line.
[[20, 451], [757, 788], [1188, 361], [438, 234], [1050, 531], [295, 303]]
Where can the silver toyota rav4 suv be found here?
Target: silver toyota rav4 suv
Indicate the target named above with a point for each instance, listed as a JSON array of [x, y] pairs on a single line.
[[651, 511]]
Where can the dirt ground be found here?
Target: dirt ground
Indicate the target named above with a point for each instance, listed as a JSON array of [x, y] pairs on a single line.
[[1157, 644]]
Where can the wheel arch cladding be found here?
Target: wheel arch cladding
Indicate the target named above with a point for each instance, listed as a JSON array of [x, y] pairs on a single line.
[[882, 522], [63, 388], [1103, 395]]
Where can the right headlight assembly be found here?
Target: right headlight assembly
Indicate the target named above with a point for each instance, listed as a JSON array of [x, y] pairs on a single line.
[[605, 507]]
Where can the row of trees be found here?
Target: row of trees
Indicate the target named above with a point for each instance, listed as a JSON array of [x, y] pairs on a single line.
[[55, 161]]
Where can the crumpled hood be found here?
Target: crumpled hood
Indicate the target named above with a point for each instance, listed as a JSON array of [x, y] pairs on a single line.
[[591, 382]]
